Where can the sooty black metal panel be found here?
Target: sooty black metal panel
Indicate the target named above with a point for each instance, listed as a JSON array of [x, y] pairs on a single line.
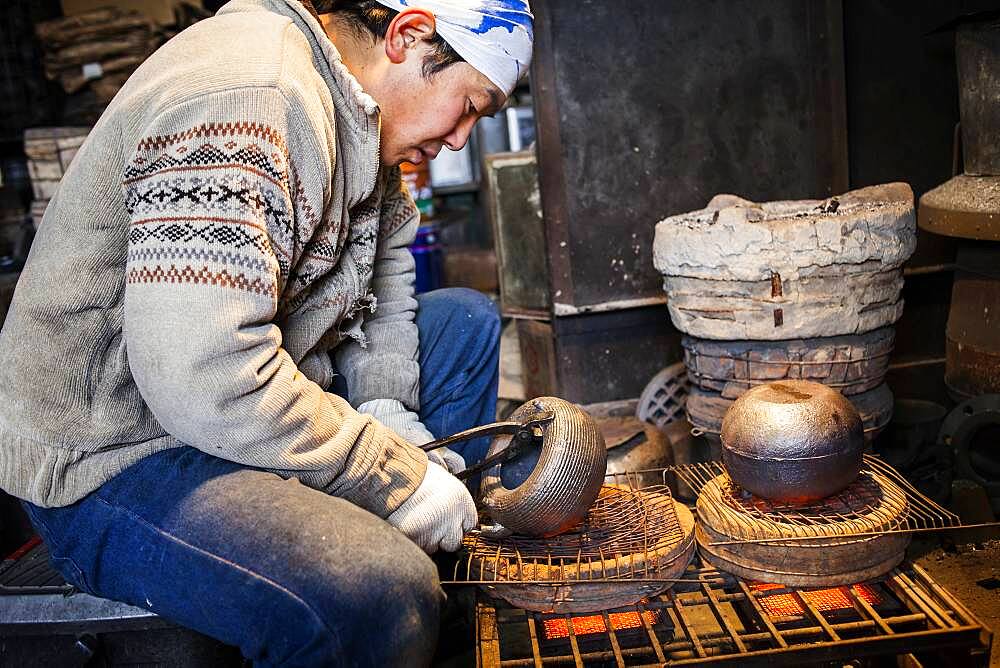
[[648, 108]]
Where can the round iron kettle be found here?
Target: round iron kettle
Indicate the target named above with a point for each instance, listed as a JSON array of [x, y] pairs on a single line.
[[545, 490], [793, 441]]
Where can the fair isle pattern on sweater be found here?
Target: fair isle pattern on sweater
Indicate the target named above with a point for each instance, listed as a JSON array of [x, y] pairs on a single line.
[[173, 170], [210, 206], [194, 169], [396, 214], [255, 130], [323, 251], [244, 225]]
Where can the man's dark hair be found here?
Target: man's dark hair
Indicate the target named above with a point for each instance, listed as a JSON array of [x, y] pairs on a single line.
[[371, 19]]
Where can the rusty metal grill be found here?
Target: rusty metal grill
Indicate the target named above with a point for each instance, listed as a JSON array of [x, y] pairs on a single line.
[[624, 536], [748, 365], [777, 601], [558, 627], [860, 510], [719, 619]]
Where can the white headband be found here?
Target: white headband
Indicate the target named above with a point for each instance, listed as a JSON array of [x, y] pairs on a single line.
[[494, 36]]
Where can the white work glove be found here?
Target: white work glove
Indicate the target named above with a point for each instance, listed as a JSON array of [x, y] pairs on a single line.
[[394, 415], [438, 514], [451, 460]]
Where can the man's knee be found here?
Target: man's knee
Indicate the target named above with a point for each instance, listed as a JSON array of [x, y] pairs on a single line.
[[407, 578], [411, 605], [388, 616], [463, 306], [396, 599]]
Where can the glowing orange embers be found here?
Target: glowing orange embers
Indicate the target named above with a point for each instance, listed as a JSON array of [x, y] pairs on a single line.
[[620, 621], [837, 598]]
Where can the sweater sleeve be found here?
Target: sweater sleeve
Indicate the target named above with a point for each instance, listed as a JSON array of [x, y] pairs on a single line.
[[387, 367], [214, 225]]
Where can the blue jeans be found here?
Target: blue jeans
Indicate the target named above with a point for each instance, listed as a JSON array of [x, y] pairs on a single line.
[[290, 575]]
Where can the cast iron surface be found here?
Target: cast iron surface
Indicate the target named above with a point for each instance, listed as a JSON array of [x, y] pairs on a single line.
[[28, 571], [662, 400], [706, 410], [645, 454], [977, 50], [912, 432], [795, 441], [972, 432], [964, 206], [596, 357], [546, 490]]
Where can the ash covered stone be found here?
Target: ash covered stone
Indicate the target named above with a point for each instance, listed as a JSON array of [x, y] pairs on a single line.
[[788, 269], [976, 194]]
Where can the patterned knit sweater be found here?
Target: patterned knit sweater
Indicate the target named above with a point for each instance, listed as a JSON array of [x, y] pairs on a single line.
[[223, 228]]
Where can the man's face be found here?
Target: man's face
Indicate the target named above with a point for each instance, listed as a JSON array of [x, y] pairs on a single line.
[[421, 115]]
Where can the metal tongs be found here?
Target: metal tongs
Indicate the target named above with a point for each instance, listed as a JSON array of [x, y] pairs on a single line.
[[525, 433]]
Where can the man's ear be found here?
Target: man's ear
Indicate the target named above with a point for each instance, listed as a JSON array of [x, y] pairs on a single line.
[[406, 32]]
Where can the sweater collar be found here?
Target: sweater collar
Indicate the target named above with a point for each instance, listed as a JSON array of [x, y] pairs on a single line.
[[351, 101]]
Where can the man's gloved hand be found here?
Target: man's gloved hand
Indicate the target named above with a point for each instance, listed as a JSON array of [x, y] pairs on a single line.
[[451, 460], [394, 415], [439, 512]]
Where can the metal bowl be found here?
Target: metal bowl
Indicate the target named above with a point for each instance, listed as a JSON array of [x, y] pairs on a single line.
[[545, 491], [795, 441]]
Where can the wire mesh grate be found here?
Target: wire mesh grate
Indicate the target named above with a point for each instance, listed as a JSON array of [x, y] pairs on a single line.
[[879, 502], [630, 533]]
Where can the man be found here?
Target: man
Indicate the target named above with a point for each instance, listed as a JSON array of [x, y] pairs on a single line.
[[231, 242]]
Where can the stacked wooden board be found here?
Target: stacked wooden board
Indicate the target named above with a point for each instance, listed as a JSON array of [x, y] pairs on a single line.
[[92, 54]]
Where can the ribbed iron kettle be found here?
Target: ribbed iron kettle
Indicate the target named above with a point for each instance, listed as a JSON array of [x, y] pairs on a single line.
[[548, 489]]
